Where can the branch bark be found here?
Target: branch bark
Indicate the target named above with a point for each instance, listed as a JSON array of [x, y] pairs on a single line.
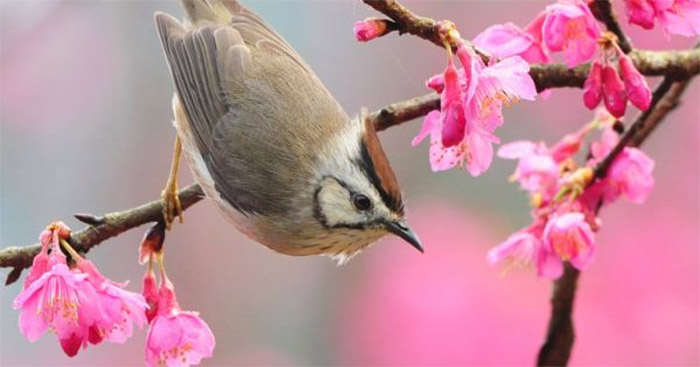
[[602, 9]]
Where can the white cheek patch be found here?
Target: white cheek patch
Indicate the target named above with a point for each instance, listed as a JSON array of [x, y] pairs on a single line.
[[335, 205]]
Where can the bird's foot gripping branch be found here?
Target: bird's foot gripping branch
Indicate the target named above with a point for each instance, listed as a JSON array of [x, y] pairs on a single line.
[[500, 66]]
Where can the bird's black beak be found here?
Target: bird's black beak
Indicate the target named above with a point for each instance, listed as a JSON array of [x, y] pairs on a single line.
[[402, 230]]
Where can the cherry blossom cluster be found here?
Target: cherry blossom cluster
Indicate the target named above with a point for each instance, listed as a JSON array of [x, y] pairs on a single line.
[[565, 198], [82, 307]]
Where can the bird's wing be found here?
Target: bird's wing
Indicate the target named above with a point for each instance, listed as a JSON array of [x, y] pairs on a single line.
[[200, 59], [252, 105]]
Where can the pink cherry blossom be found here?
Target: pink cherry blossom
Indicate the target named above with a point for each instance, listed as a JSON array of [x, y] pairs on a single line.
[[176, 337], [614, 94], [118, 308], [571, 237], [640, 12], [638, 91], [472, 98], [525, 247], [53, 301], [630, 175], [520, 247], [680, 17], [570, 27], [78, 305], [537, 171], [505, 40], [369, 29]]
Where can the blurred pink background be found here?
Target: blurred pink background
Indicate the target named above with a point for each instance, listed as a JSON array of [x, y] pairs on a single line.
[[85, 126]]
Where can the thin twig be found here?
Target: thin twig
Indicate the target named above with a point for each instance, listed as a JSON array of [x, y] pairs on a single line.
[[602, 9], [400, 112]]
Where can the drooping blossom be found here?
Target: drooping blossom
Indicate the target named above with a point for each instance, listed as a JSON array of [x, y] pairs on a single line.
[[78, 305], [681, 17], [612, 86], [636, 86], [614, 95], [118, 309], [629, 175], [570, 236], [593, 86], [570, 27], [505, 40], [176, 337], [538, 170], [525, 247], [369, 29], [472, 99]]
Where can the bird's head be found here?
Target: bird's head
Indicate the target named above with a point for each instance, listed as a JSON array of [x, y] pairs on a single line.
[[357, 198]]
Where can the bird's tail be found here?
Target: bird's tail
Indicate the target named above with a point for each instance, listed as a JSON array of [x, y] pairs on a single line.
[[217, 11]]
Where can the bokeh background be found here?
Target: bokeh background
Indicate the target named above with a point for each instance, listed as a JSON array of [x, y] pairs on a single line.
[[85, 112]]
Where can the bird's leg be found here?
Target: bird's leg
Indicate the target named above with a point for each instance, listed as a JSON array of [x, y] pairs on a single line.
[[171, 200]]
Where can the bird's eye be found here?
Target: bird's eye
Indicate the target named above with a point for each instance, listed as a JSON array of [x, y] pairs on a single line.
[[361, 202]]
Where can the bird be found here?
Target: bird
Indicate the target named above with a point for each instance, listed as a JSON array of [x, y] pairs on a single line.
[[268, 143]]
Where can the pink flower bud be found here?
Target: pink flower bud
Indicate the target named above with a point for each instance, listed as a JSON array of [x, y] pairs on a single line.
[[614, 94], [593, 86], [452, 114], [637, 88], [436, 83], [152, 242], [370, 29]]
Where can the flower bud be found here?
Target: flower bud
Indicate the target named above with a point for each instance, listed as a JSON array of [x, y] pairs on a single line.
[[636, 86], [370, 29], [593, 86], [614, 94]]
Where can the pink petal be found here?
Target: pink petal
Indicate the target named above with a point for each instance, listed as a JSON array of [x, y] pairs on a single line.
[[503, 40], [637, 88], [517, 149], [71, 344], [520, 245], [479, 152], [614, 94], [593, 86], [640, 12], [452, 114], [683, 18], [512, 75], [549, 265]]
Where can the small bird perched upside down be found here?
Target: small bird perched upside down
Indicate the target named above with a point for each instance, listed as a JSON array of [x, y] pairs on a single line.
[[268, 143]]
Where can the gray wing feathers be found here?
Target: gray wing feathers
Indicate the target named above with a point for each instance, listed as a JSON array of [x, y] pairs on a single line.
[[198, 58]]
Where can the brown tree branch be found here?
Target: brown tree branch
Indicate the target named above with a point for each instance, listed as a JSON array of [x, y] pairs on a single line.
[[559, 341], [112, 224], [602, 9], [560, 332]]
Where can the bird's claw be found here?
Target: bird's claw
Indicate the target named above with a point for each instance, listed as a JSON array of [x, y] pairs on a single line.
[[172, 207]]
